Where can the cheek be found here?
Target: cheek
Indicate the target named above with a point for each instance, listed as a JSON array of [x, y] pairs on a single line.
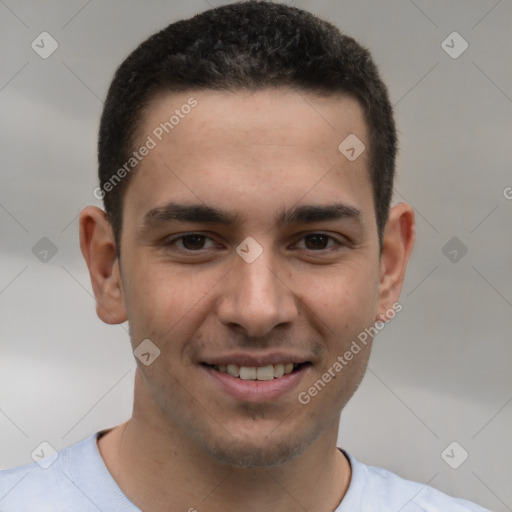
[[344, 300], [165, 303]]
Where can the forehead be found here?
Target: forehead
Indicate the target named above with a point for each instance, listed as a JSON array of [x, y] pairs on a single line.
[[254, 116], [253, 151]]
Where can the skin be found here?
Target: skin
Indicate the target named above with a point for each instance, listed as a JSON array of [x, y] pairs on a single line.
[[188, 444]]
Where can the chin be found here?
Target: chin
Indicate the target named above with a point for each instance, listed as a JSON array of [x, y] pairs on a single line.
[[265, 451]]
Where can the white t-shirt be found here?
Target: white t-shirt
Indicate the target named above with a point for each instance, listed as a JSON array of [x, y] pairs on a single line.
[[77, 480]]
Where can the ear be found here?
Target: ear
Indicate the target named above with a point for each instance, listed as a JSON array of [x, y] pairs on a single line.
[[397, 244], [99, 251]]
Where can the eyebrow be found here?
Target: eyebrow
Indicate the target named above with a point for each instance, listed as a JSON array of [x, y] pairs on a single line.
[[205, 214]]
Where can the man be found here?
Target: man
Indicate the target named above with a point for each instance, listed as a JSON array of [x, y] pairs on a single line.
[[246, 162]]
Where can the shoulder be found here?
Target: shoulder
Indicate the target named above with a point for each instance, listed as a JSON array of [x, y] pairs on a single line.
[[46, 485], [23, 487], [373, 488]]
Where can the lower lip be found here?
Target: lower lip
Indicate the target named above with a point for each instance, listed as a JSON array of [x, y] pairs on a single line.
[[257, 390]]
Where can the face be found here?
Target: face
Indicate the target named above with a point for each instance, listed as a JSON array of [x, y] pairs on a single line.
[[249, 246]]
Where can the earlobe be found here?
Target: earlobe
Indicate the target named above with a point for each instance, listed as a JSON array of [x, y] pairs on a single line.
[[98, 248], [397, 245]]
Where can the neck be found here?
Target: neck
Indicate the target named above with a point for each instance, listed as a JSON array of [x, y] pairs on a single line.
[[160, 469]]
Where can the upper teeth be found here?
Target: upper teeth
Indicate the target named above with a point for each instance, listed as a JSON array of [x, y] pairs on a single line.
[[256, 372]]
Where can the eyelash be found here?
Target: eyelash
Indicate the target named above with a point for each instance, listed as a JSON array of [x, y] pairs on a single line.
[[172, 241]]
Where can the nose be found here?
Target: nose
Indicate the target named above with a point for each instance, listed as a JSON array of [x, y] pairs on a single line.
[[255, 297]]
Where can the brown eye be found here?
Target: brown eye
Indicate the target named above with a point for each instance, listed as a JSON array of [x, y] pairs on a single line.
[[188, 243], [193, 242], [316, 241]]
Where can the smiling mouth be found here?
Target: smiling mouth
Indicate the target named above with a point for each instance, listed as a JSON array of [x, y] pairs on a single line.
[[269, 372]]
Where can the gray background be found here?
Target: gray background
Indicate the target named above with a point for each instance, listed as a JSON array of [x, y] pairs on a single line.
[[440, 371]]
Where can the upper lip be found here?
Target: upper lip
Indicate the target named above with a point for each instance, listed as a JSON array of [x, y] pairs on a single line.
[[247, 359]]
